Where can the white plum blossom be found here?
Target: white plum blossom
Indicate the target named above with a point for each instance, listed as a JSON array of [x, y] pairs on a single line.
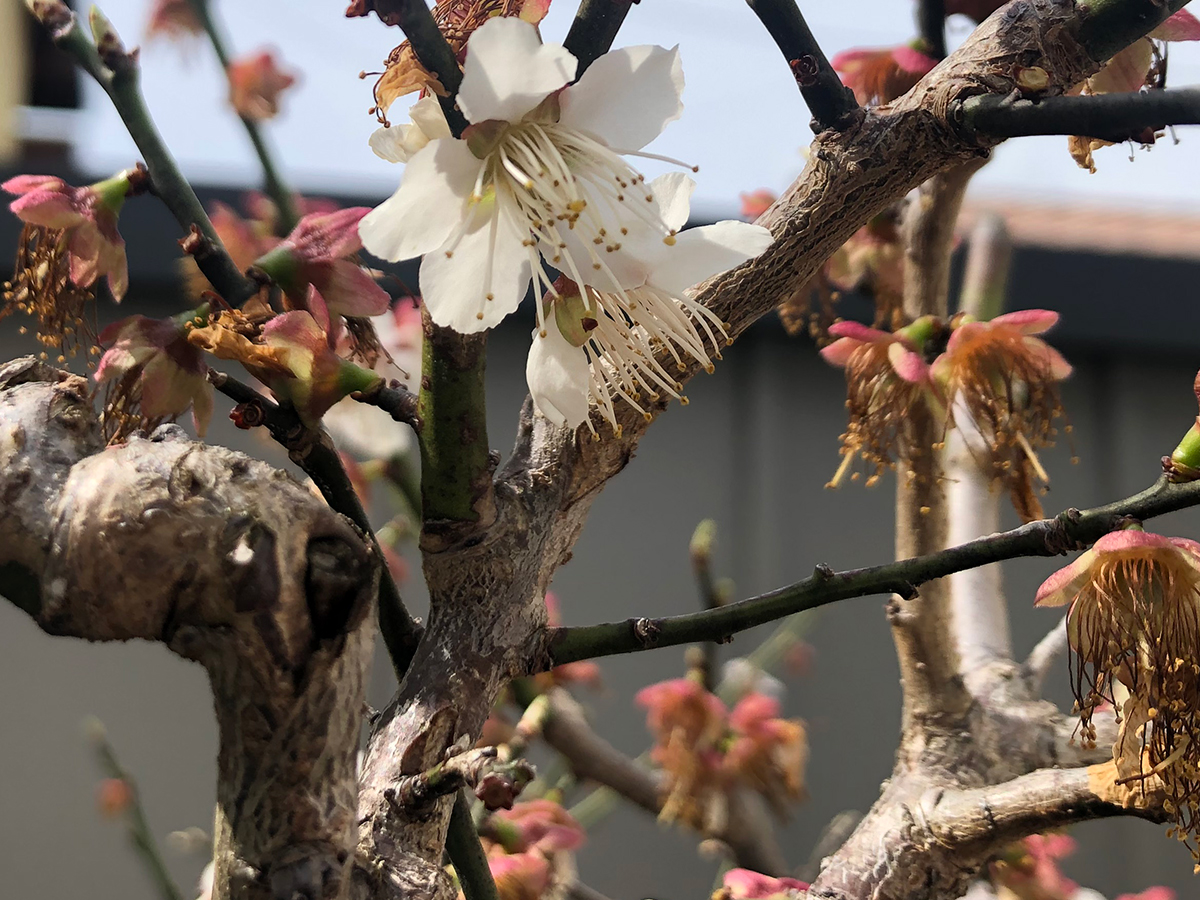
[[539, 172], [399, 143], [602, 344]]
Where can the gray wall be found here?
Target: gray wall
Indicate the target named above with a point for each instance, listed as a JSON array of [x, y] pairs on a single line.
[[753, 451]]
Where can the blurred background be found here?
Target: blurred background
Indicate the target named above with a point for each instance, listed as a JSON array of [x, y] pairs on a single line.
[[1117, 253]]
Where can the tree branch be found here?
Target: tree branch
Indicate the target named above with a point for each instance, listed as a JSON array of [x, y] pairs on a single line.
[[398, 403], [283, 198], [978, 821], [1042, 657], [979, 610], [428, 43], [1045, 537], [470, 862], [594, 29], [832, 103], [931, 24], [121, 82], [457, 499], [1107, 117], [313, 452]]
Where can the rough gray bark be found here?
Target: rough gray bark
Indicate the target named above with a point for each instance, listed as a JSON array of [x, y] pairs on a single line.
[[229, 563]]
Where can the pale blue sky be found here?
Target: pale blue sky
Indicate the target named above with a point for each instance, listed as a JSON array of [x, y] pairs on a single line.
[[744, 122]]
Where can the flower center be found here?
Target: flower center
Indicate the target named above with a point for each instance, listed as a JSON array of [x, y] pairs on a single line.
[[565, 184]]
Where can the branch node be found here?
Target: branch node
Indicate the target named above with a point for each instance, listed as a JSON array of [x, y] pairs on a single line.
[[646, 631]]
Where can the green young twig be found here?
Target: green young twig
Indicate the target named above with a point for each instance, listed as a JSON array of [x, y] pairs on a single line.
[[830, 102], [1045, 537], [315, 455], [456, 463], [470, 862], [284, 199], [1108, 117], [118, 74], [140, 835]]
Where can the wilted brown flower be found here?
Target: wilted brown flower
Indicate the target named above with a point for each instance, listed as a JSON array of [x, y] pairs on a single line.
[[42, 287], [255, 83], [1000, 380], [887, 380], [1134, 626]]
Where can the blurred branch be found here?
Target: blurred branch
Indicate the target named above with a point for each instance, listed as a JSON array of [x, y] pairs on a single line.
[[1045, 537], [594, 29], [314, 454], [118, 74], [979, 610], [931, 22], [140, 835], [1042, 657], [398, 403], [279, 193], [832, 103], [1108, 117], [700, 549]]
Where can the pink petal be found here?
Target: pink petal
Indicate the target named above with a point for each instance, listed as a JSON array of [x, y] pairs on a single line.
[[913, 60], [351, 291], [297, 328], [23, 184], [49, 209], [1029, 321], [1182, 26], [752, 710], [908, 364], [859, 332], [839, 352], [1064, 585], [328, 236], [848, 60], [202, 408], [1187, 545], [1057, 366], [1131, 539], [84, 252]]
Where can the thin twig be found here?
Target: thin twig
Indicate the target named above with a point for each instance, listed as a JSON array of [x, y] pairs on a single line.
[[700, 549], [470, 862], [1045, 537], [140, 835], [314, 454], [830, 102], [398, 403], [1042, 657], [279, 193], [931, 21], [594, 29], [428, 44], [122, 85], [1108, 117]]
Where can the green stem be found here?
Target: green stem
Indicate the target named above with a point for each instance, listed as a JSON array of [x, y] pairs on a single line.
[[140, 834], [123, 88], [456, 479], [1045, 537], [466, 853], [284, 199]]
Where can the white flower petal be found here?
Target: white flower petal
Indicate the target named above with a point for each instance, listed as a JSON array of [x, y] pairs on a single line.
[[673, 197], [702, 252], [427, 208], [509, 71], [558, 377], [399, 143], [627, 96], [366, 431], [455, 288]]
